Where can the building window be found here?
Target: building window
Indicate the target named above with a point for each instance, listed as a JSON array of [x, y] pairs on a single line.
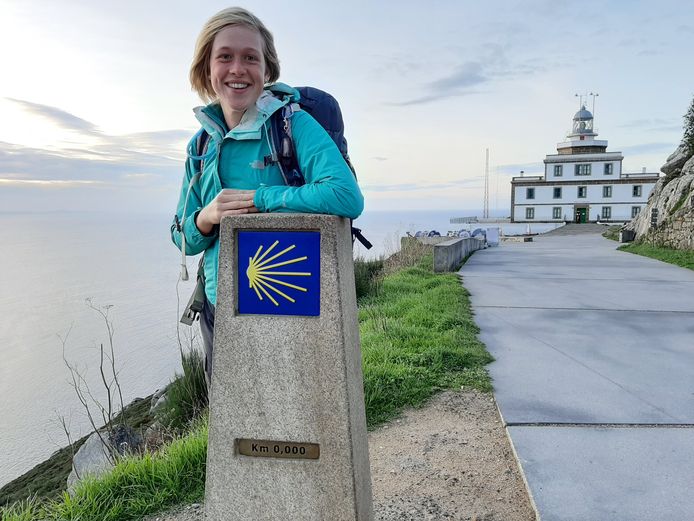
[[556, 212], [582, 169], [636, 191], [530, 213], [557, 193], [530, 193], [608, 168], [635, 211], [582, 192], [606, 212], [558, 170], [607, 191]]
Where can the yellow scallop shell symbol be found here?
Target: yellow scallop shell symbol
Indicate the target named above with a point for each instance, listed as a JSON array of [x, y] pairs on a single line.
[[259, 271]]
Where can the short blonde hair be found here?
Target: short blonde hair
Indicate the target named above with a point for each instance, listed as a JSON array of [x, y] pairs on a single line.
[[200, 67]]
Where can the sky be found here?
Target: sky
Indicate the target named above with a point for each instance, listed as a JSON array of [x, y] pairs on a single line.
[[96, 108]]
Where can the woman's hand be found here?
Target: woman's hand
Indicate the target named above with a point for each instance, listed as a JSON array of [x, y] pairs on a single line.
[[227, 202]]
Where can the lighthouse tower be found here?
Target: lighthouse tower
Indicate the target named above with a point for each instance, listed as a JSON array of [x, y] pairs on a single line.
[[581, 183], [581, 139]]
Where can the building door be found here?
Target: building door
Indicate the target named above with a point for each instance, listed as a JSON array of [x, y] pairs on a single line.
[[581, 215]]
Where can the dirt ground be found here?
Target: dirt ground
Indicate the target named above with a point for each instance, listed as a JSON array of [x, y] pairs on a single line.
[[449, 460]]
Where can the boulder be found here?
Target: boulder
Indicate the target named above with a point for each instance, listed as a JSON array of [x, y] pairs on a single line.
[[675, 161], [158, 402], [92, 459], [672, 198], [99, 453]]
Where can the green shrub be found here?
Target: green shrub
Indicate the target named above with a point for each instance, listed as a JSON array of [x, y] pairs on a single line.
[[186, 395], [688, 137], [367, 276]]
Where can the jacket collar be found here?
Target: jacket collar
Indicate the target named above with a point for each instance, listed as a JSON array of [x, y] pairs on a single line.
[[272, 99]]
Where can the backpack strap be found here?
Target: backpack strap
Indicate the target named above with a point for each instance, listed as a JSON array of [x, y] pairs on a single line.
[[202, 142], [284, 150], [356, 234], [192, 310]]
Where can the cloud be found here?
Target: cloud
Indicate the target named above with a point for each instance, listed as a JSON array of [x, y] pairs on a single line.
[[654, 125], [142, 157], [47, 183], [398, 64], [647, 148], [57, 116], [112, 164], [649, 52], [430, 98], [515, 169], [468, 77], [140, 176], [632, 41], [469, 74], [410, 187]]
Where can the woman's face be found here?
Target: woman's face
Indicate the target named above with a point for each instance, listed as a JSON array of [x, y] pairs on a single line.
[[237, 70]]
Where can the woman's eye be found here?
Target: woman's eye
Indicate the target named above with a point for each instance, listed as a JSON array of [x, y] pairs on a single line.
[[251, 58], [225, 57]]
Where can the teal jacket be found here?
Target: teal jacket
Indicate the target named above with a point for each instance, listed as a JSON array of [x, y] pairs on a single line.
[[235, 160]]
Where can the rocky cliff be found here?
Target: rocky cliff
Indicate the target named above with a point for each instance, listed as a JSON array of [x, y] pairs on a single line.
[[673, 197]]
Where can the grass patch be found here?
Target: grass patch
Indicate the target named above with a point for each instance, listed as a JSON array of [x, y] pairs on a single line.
[[612, 233], [186, 395], [135, 488], [683, 258], [418, 337]]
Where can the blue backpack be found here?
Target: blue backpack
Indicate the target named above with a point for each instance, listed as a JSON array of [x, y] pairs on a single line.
[[326, 111]]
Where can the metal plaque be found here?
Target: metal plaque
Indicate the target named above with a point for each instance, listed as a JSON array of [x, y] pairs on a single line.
[[278, 449], [279, 273]]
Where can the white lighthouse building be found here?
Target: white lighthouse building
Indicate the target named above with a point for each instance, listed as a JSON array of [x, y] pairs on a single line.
[[582, 182]]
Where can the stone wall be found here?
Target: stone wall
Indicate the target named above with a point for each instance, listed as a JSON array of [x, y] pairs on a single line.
[[449, 255], [673, 197]]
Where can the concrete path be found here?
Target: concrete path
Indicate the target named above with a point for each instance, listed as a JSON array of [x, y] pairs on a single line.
[[594, 374]]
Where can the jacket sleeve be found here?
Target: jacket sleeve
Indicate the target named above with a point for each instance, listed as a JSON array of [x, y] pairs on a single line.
[[196, 242], [330, 185]]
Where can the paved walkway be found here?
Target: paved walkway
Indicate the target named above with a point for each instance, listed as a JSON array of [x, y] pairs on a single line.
[[594, 374]]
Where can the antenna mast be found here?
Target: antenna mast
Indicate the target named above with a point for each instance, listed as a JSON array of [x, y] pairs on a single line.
[[595, 95], [485, 212]]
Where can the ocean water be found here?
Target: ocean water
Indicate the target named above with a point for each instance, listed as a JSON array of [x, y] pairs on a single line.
[[53, 262]]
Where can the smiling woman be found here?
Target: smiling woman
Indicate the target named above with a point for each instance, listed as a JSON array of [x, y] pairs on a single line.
[[233, 166]]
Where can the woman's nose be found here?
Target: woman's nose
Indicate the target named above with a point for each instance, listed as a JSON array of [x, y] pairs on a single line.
[[236, 66]]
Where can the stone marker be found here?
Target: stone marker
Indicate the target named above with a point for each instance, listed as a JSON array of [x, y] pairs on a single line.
[[287, 436]]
